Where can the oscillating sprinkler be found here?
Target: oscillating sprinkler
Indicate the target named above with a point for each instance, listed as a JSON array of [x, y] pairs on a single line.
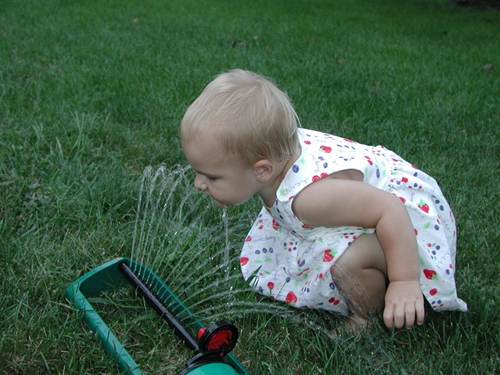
[[211, 345]]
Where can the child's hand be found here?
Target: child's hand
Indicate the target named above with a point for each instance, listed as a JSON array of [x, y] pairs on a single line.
[[403, 302]]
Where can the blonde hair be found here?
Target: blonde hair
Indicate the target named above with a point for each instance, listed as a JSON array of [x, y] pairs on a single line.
[[249, 116]]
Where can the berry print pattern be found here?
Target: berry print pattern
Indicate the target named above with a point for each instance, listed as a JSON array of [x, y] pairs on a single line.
[[291, 262]]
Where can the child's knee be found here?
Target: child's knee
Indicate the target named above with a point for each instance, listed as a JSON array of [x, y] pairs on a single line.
[[364, 253], [360, 275]]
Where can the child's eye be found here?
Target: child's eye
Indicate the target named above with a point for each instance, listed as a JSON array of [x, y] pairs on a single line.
[[209, 178]]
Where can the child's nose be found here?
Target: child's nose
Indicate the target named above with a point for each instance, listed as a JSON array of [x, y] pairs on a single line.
[[199, 184]]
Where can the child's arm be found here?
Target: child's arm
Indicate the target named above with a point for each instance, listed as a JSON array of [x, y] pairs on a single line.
[[337, 202]]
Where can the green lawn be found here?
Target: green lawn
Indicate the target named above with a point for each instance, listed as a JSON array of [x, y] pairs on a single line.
[[92, 92]]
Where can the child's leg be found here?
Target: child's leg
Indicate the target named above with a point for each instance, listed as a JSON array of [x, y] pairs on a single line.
[[360, 275]]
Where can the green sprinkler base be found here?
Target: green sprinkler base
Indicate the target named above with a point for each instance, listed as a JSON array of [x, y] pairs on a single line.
[[107, 277]]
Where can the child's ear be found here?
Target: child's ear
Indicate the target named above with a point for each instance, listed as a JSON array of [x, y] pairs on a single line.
[[263, 170]]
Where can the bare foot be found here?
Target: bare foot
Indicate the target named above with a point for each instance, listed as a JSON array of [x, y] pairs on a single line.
[[354, 325]]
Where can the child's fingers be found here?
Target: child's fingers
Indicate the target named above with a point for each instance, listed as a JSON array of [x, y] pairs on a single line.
[[404, 304], [420, 310], [410, 316], [415, 313], [389, 316], [399, 316], [394, 316]]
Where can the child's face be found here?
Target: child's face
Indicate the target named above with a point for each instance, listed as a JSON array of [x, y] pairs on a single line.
[[217, 175]]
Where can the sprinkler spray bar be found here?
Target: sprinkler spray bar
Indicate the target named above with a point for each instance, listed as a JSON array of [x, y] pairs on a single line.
[[214, 343], [161, 310]]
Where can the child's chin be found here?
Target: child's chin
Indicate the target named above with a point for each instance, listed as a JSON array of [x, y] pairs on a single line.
[[220, 204]]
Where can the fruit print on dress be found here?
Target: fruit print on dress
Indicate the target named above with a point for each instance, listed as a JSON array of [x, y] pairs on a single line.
[[430, 274], [423, 206], [276, 226], [244, 261], [291, 298], [334, 301], [435, 304], [328, 256], [290, 246], [433, 249]]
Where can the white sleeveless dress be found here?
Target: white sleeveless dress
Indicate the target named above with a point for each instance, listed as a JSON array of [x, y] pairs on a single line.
[[290, 262]]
